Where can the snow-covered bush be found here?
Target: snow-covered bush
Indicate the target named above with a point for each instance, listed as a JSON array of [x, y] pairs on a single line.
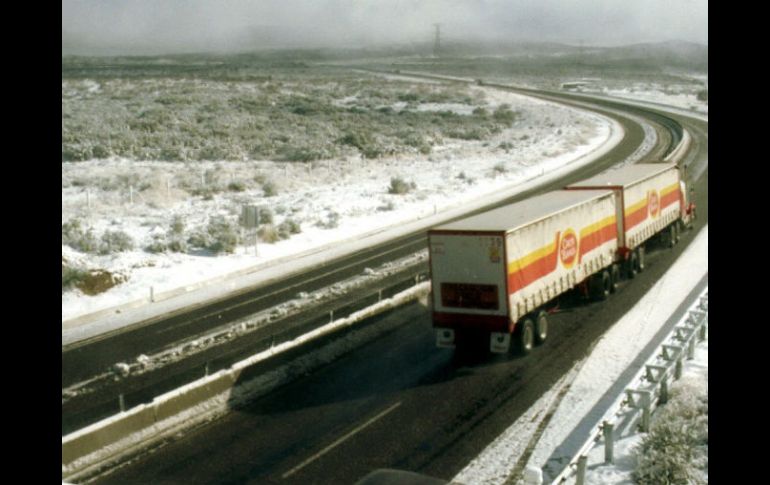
[[224, 235], [74, 235], [269, 189], [287, 228], [115, 242], [676, 449], [71, 277], [399, 186], [219, 236], [331, 221], [268, 234]]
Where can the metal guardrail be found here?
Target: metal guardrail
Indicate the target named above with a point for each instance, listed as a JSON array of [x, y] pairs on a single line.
[[667, 363]]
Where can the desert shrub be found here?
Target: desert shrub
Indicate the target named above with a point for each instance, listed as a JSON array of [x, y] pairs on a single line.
[[332, 221], [287, 228], [268, 233], [223, 235], [301, 154], [504, 114], [675, 451], [500, 168], [173, 240], [480, 112], [506, 146], [236, 186], [702, 95], [269, 189], [71, 277], [115, 242], [399, 186], [177, 225], [99, 151], [157, 245], [75, 236], [467, 134]]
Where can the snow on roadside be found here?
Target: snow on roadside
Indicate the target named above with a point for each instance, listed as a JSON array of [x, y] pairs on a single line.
[[609, 358], [352, 194], [695, 373]]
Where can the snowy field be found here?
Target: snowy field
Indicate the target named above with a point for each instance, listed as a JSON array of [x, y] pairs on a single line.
[[328, 200]]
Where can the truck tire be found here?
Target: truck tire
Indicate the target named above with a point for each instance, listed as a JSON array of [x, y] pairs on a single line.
[[615, 277], [640, 259], [631, 265], [671, 235], [600, 285], [526, 336], [541, 327]]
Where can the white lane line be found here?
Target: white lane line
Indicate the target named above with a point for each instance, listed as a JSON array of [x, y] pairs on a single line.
[[339, 442]]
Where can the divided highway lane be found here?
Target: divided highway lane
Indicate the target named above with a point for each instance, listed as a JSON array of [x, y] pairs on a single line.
[[86, 359], [395, 402]]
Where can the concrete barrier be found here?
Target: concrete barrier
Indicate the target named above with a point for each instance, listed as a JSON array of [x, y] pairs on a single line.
[[95, 446], [87, 441]]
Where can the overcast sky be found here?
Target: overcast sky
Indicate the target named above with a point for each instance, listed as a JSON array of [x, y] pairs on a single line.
[[156, 26]]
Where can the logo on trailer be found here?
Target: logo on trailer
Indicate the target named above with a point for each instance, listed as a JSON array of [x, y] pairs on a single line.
[[653, 203], [568, 248]]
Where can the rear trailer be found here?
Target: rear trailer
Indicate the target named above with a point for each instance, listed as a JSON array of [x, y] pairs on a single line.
[[495, 273], [653, 198]]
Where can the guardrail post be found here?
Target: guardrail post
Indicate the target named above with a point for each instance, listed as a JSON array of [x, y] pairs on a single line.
[[581, 470], [152, 294], [331, 316], [702, 332], [609, 444], [122, 402], [646, 412], [379, 293], [678, 368], [691, 349], [663, 398], [206, 369]]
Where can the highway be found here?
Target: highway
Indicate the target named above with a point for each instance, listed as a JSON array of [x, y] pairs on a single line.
[[95, 356], [398, 401]]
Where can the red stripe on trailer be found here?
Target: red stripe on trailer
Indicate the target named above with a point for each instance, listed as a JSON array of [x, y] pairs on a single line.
[[532, 272], [595, 239], [670, 198], [635, 218]]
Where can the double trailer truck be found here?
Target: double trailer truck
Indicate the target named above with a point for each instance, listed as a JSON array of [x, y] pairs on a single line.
[[496, 274]]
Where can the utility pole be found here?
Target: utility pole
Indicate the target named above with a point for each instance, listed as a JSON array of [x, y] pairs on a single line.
[[437, 40]]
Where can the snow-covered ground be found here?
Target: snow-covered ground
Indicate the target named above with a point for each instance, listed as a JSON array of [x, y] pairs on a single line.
[[695, 375], [332, 200], [578, 402], [682, 95]]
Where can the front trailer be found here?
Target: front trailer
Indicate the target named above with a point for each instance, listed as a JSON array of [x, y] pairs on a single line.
[[654, 201], [496, 274]]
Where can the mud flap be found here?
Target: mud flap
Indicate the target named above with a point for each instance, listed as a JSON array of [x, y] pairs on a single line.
[[499, 342], [445, 337]]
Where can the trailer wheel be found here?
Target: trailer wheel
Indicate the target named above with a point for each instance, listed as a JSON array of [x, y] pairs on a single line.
[[631, 265], [526, 336], [672, 235], [615, 277], [541, 327], [640, 259], [600, 285]]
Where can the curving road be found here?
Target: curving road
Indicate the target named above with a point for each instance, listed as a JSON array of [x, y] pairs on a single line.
[[398, 401]]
